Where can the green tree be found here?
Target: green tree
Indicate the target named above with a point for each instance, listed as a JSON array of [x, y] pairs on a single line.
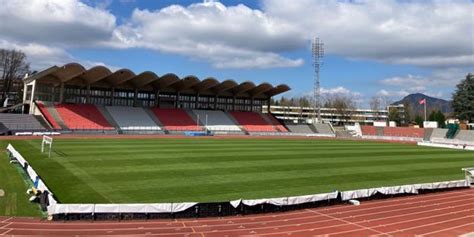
[[394, 115], [463, 99], [432, 116], [419, 120], [440, 118], [408, 113]]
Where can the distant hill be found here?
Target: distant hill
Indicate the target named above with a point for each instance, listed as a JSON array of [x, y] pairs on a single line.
[[431, 103]]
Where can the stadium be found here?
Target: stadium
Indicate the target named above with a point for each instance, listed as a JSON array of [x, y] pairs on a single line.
[[93, 144]]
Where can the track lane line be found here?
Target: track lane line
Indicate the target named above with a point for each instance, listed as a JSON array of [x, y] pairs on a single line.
[[446, 229], [430, 224], [348, 222]]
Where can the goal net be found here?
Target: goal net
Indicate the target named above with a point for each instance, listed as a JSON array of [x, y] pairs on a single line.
[[47, 141]]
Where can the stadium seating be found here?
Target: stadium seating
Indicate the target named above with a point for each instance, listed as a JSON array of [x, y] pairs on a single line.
[[131, 118], [404, 132], [176, 120], [323, 128], [465, 135], [275, 122], [299, 128], [369, 130], [82, 116], [439, 133], [47, 115], [253, 122], [21, 122], [217, 121]]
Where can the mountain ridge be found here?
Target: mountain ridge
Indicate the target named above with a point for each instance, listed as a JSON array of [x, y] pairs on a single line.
[[432, 103]]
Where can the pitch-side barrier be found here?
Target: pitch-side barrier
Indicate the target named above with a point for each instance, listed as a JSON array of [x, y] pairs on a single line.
[[194, 209], [460, 146]]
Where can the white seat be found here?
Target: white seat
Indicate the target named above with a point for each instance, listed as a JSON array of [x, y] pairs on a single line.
[[216, 120], [132, 118]]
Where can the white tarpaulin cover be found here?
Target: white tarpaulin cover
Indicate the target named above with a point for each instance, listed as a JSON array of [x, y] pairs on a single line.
[[285, 201], [16, 154], [413, 188], [459, 146], [119, 208], [32, 174]]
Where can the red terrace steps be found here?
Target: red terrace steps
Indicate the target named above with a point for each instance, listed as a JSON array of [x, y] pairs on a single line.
[[275, 122], [369, 130], [47, 115], [404, 132], [176, 120], [82, 116], [393, 131], [253, 122]]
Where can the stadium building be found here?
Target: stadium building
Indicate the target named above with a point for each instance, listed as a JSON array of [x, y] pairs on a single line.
[[72, 99], [72, 83], [296, 114]]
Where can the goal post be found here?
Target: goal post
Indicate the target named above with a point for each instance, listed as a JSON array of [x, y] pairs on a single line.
[[48, 141]]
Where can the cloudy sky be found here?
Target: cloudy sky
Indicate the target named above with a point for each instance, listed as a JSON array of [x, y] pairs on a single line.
[[390, 47]]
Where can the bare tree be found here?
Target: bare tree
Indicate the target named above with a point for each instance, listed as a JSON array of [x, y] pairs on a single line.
[[343, 106], [13, 66], [375, 104]]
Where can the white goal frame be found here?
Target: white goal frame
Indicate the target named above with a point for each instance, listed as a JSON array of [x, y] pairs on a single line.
[[48, 141]]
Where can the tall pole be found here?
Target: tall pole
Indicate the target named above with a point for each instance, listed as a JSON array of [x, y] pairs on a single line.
[[425, 109], [317, 48]]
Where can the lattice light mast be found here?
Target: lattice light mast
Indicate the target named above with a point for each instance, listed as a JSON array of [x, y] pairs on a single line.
[[317, 48]]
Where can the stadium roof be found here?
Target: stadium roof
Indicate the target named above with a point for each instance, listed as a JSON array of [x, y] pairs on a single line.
[[74, 74]]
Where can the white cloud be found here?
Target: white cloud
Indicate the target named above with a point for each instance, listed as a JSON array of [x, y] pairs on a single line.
[[43, 29], [227, 37], [392, 94], [432, 85], [422, 33], [357, 97], [41, 56], [59, 22]]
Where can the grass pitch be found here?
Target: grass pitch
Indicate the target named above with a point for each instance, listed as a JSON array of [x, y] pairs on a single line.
[[208, 170]]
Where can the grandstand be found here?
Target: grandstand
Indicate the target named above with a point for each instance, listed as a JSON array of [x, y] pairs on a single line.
[[71, 98]]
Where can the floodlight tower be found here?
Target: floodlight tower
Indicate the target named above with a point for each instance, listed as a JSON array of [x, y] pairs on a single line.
[[317, 48]]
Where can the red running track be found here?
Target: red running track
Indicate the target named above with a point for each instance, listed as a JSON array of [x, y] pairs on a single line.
[[436, 214]]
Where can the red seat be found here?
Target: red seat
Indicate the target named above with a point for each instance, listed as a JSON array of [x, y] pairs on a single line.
[[176, 120], [369, 130], [403, 132], [253, 122], [82, 116], [47, 115], [276, 123]]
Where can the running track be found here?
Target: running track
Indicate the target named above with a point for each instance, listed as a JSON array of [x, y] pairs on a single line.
[[436, 214]]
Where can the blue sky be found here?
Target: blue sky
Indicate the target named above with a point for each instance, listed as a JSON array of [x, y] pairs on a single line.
[[373, 48]]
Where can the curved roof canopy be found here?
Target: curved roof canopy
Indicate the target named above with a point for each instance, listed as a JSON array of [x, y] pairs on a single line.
[[74, 74]]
